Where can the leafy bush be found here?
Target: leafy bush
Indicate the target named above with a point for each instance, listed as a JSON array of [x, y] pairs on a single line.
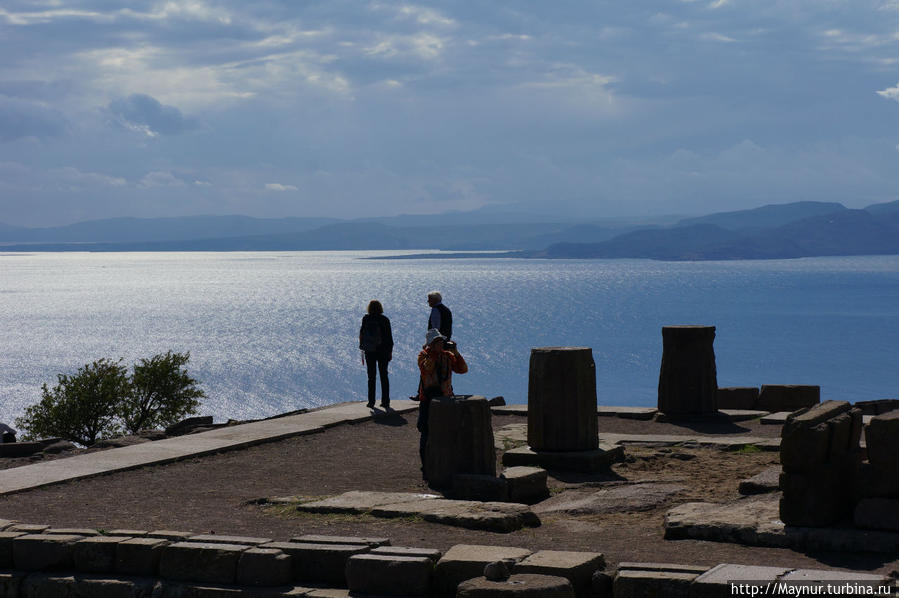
[[161, 393], [101, 400]]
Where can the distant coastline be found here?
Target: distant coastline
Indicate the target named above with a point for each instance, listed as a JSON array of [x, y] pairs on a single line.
[[783, 231]]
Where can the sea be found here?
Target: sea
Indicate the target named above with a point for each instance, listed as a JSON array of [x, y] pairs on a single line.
[[271, 332]]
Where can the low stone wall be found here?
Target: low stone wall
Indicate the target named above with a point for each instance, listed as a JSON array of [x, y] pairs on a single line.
[[37, 561]]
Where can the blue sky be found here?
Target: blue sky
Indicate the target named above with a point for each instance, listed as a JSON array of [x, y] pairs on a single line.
[[355, 108]]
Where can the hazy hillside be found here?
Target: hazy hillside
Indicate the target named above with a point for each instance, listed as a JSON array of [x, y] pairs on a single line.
[[770, 216]]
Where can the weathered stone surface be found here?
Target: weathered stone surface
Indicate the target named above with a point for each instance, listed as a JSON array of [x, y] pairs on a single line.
[[139, 556], [787, 397], [460, 439], [200, 561], [95, 586], [264, 567], [717, 581], [754, 521], [373, 542], [878, 406], [186, 425], [614, 499], [39, 552], [872, 481], [588, 461], [10, 583], [474, 486], [96, 554], [576, 567], [319, 563], [357, 501], [491, 516], [765, 481], [467, 561], [431, 553], [389, 575], [217, 539], [562, 399], [69, 531], [778, 418], [815, 578], [882, 439], [878, 513], [805, 448], [639, 413], [688, 380], [171, 535], [41, 585], [815, 499], [523, 585], [526, 485], [737, 397], [28, 528], [132, 533], [640, 583], [6, 539]]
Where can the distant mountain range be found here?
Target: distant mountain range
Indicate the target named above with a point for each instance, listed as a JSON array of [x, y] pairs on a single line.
[[800, 229]]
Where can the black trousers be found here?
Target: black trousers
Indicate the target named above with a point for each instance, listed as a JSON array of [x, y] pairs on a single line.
[[377, 363]]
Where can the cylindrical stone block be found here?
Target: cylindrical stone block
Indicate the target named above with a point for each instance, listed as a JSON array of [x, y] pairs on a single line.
[[562, 399], [688, 380], [460, 439]]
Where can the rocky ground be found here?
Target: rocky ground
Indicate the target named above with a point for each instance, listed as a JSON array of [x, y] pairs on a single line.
[[619, 513]]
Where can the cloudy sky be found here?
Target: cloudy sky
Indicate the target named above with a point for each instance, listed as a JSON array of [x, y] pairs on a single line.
[[358, 108]]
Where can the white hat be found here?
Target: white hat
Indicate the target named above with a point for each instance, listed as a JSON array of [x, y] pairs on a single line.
[[432, 335]]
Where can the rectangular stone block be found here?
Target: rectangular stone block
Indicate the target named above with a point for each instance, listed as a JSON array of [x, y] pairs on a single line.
[[28, 528], [562, 399], [320, 539], [872, 481], [816, 499], [483, 487], [43, 552], [6, 539], [319, 563], [431, 553], [10, 583], [217, 539], [95, 586], [389, 575], [877, 513], [878, 406], [787, 397], [804, 448], [576, 567], [46, 585], [882, 439], [96, 554], [200, 561], [737, 397], [460, 439], [139, 556], [581, 461], [638, 583], [466, 561], [69, 531], [718, 581], [264, 567], [526, 485], [170, 535]]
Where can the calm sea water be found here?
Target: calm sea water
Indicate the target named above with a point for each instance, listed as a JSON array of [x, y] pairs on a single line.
[[272, 332]]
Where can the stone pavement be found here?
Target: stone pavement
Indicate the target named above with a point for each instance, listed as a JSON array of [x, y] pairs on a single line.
[[158, 452]]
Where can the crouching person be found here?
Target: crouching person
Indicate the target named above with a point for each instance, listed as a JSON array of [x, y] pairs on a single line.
[[437, 361]]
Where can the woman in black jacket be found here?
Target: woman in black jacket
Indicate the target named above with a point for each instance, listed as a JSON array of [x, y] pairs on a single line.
[[376, 340]]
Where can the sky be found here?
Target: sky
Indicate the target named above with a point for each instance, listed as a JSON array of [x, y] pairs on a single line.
[[364, 108]]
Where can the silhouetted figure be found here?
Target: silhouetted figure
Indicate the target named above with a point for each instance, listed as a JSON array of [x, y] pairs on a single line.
[[376, 340]]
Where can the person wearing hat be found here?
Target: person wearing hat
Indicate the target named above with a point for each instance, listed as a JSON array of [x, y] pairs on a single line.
[[437, 361]]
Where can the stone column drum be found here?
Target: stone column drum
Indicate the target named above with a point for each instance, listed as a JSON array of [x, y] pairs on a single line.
[[562, 399], [460, 439], [688, 380]]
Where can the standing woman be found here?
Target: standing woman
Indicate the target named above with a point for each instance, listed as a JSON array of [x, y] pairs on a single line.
[[376, 340]]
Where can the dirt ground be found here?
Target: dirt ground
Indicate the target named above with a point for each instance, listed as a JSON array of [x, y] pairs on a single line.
[[218, 494]]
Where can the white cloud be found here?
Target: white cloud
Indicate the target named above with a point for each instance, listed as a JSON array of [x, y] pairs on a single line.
[[160, 178], [717, 37], [279, 187], [71, 178], [891, 93]]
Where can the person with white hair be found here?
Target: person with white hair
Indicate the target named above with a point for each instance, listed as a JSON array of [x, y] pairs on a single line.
[[440, 317]]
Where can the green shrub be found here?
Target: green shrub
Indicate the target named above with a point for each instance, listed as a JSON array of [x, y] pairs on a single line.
[[161, 393], [102, 400]]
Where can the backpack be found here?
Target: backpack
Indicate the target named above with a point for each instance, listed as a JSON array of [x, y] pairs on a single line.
[[370, 338]]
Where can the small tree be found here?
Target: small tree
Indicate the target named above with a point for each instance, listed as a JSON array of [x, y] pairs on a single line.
[[80, 408], [161, 393]]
